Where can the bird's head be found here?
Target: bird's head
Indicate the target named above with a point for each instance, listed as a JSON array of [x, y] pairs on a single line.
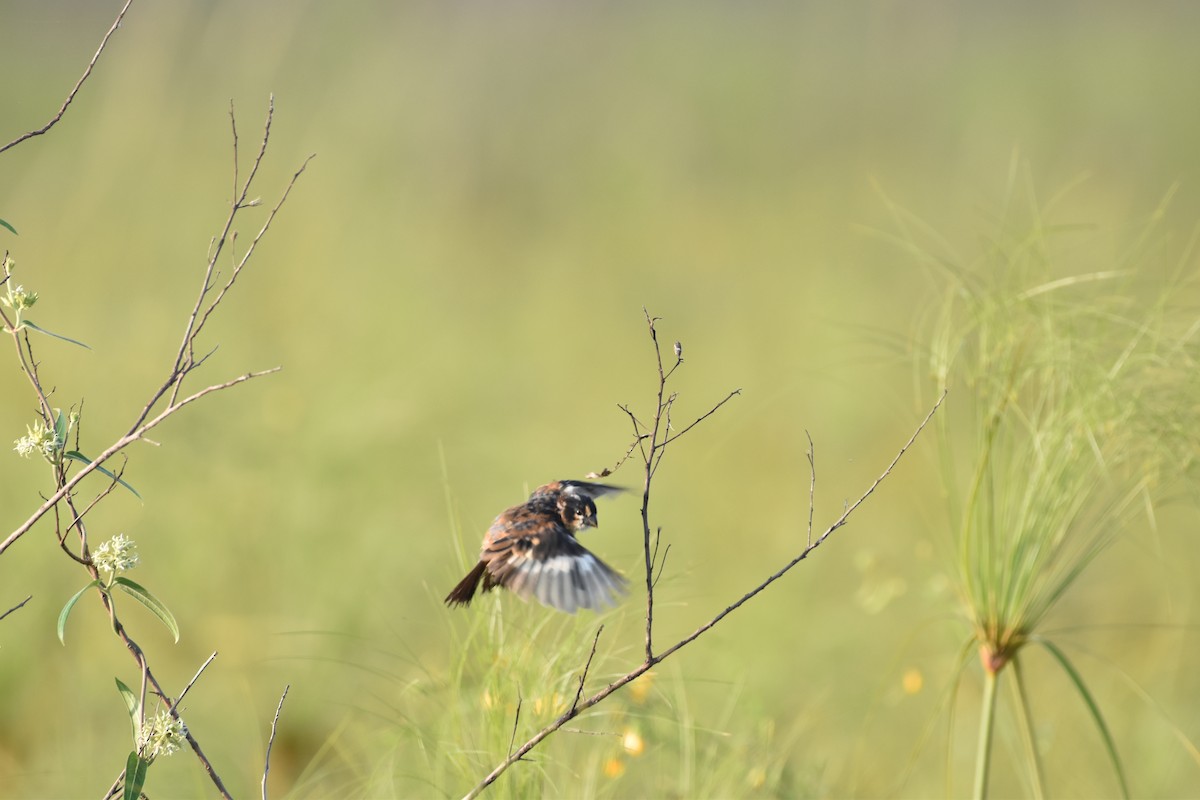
[[578, 511]]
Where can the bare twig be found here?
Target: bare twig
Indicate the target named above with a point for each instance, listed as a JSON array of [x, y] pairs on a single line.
[[78, 84], [651, 659], [113, 481], [120, 445], [271, 741], [195, 677], [662, 565], [185, 360], [153, 413], [604, 473], [586, 667], [839, 522], [516, 720], [812, 483], [653, 448], [701, 418], [237, 270], [17, 607]]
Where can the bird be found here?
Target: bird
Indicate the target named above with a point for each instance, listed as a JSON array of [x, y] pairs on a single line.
[[531, 550]]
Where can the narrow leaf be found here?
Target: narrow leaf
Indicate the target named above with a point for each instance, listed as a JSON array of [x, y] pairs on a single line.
[[1093, 709], [66, 611], [78, 456], [40, 329], [10, 227], [143, 596], [135, 775], [60, 426], [133, 705]]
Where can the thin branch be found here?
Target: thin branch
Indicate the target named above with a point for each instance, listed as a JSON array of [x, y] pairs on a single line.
[[17, 607], [78, 84], [120, 445], [652, 660], [583, 675], [61, 535], [237, 270], [185, 359], [271, 741], [662, 565], [185, 362], [812, 483], [701, 418], [113, 482], [516, 720], [236, 165], [804, 554], [570, 714], [195, 677]]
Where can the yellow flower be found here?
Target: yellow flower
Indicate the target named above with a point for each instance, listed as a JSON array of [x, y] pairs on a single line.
[[632, 742], [614, 768], [912, 681]]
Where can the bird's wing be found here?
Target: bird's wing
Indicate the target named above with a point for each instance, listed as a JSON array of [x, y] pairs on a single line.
[[533, 554], [592, 490]]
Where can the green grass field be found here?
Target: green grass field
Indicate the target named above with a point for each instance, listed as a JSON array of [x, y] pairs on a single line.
[[454, 291]]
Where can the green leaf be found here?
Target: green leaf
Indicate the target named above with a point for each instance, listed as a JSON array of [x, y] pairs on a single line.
[[135, 775], [133, 705], [40, 329], [78, 456], [1093, 708], [10, 227], [143, 596], [60, 427], [66, 611]]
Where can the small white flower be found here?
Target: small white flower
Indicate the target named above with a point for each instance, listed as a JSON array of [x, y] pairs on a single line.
[[19, 298], [161, 736], [118, 554], [39, 439]]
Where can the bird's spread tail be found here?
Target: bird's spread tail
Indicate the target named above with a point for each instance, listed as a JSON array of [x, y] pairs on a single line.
[[462, 594]]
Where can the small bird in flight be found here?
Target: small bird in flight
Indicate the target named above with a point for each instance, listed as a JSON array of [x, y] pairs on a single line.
[[531, 550]]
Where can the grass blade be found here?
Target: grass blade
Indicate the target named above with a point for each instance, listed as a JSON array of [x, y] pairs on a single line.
[[1093, 709]]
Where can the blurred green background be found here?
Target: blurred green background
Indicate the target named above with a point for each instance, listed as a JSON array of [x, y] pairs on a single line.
[[455, 293]]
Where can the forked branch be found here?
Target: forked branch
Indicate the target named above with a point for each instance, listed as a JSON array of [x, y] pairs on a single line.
[[651, 440], [164, 403], [184, 361]]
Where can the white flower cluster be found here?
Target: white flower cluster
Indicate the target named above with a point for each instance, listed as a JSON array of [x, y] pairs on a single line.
[[19, 298], [16, 297], [161, 736], [118, 554], [39, 439]]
